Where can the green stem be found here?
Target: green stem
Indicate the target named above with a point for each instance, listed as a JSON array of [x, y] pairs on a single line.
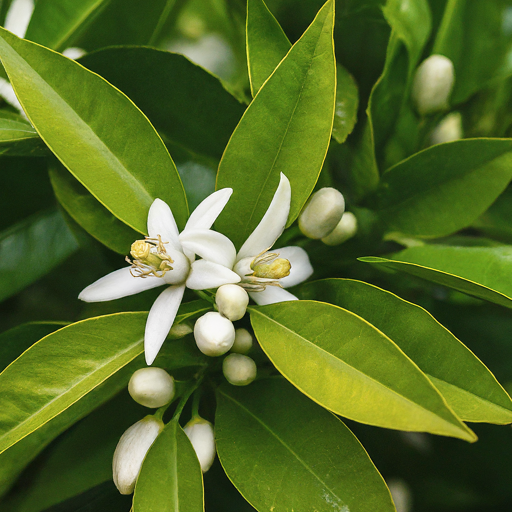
[[205, 296], [185, 397], [195, 403]]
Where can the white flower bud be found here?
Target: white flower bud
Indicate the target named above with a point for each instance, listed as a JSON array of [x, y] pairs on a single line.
[[179, 330], [200, 433], [448, 130], [322, 213], [232, 301], [243, 341], [131, 450], [239, 370], [214, 334], [151, 387], [346, 228], [433, 84]]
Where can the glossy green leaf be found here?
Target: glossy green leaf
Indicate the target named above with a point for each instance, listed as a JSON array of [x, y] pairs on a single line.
[[18, 339], [267, 44], [470, 389], [304, 457], [56, 24], [18, 138], [475, 36], [482, 272], [125, 165], [78, 358], [348, 366], [32, 248], [170, 479], [286, 128], [347, 102], [193, 110], [496, 222], [446, 187], [86, 211]]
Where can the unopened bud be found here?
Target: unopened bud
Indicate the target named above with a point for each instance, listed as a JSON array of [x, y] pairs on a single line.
[[200, 433], [346, 228], [322, 213], [214, 334], [232, 301], [239, 370], [131, 450], [433, 84], [151, 387], [243, 341], [179, 330], [448, 130]]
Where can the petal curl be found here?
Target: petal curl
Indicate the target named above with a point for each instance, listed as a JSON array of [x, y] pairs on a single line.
[[161, 222], [271, 295], [160, 319], [210, 245], [272, 224], [117, 284], [206, 274], [301, 266], [208, 210]]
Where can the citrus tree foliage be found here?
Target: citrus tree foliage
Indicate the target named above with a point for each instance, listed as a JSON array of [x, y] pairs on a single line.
[[230, 115]]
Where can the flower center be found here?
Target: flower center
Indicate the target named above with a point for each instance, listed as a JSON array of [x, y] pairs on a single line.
[[149, 258], [264, 270]]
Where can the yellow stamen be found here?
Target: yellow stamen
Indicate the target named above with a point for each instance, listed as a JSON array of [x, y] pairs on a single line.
[[149, 258]]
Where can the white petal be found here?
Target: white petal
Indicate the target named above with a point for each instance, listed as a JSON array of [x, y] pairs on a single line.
[[271, 295], [208, 210], [206, 274], [160, 320], [161, 222], [301, 266], [74, 53], [210, 245], [272, 224], [18, 17], [117, 284]]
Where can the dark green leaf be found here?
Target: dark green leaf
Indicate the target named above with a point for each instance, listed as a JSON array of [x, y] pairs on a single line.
[[18, 138], [284, 453], [355, 371], [347, 102], [287, 128]]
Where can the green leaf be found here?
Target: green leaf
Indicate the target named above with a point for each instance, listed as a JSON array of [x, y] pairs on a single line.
[[347, 102], [355, 371], [482, 272], [474, 37], [496, 222], [304, 458], [18, 137], [446, 187], [57, 23], [86, 211], [125, 165], [286, 128], [470, 389], [66, 365], [18, 339], [194, 111], [170, 479], [32, 248], [267, 44]]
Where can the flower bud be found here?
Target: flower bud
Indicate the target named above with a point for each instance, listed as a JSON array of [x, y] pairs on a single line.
[[214, 334], [239, 370], [322, 213], [200, 433], [346, 228], [243, 341], [433, 84], [151, 387], [131, 450], [179, 330], [232, 301], [448, 130]]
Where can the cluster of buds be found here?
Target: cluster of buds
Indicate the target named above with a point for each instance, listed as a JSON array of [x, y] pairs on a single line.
[[324, 218]]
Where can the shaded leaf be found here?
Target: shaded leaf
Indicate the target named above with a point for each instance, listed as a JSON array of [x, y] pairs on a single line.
[[347, 102], [18, 138]]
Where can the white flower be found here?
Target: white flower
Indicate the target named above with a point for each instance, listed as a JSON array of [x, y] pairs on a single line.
[[214, 334], [239, 370], [200, 433], [167, 258], [151, 387], [131, 450], [232, 301], [265, 274]]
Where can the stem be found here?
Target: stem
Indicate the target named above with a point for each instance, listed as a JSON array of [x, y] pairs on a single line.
[[185, 397], [195, 403], [205, 296]]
